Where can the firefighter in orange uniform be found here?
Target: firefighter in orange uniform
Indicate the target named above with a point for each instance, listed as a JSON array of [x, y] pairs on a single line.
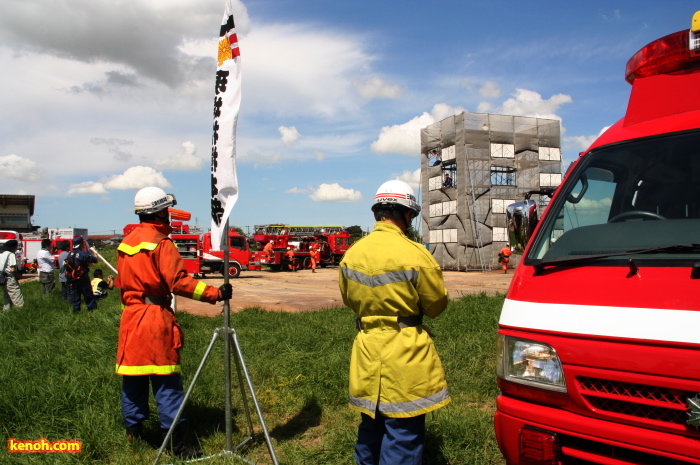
[[268, 250], [504, 258], [313, 256], [150, 271], [289, 255]]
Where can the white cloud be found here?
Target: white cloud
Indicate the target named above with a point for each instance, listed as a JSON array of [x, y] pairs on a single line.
[[578, 143], [187, 160], [412, 178], [290, 135], [297, 190], [115, 147], [405, 138], [320, 156], [581, 143], [258, 158], [530, 103], [375, 87], [316, 79], [15, 167], [85, 188], [151, 49], [137, 177], [485, 107], [467, 84], [335, 193], [489, 89]]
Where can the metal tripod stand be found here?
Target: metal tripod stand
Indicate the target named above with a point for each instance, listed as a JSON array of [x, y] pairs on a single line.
[[229, 335]]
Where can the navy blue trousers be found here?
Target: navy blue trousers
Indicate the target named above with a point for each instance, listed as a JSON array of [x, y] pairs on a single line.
[[390, 441], [168, 391], [82, 287]]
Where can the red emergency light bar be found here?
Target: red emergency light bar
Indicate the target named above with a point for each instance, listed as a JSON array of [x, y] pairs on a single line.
[[667, 54], [7, 235], [182, 215]]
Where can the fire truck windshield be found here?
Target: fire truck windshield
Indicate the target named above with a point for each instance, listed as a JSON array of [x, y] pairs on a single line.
[[638, 198]]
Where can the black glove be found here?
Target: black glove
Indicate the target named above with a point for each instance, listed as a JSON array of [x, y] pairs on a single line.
[[225, 292]]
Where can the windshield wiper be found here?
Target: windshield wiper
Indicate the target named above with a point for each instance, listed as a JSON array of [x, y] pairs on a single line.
[[541, 264]]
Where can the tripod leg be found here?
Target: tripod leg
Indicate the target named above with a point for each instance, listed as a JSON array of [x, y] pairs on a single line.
[[242, 387], [187, 395], [240, 363]]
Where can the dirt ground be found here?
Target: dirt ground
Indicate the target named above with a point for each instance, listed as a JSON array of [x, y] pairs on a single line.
[[305, 291]]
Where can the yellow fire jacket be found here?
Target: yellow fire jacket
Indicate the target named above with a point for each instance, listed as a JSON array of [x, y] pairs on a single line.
[[394, 369]]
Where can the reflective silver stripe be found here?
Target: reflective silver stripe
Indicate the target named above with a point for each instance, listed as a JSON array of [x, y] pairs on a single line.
[[415, 405], [381, 279], [363, 403], [401, 407]]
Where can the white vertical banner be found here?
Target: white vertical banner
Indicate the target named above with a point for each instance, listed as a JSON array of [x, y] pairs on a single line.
[[227, 101]]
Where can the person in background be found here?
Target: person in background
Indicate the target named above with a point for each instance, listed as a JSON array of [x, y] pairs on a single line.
[[289, 256], [268, 250], [437, 158], [100, 286], [447, 183], [150, 338], [10, 275], [313, 255], [396, 376], [504, 257], [62, 278], [44, 261], [78, 273]]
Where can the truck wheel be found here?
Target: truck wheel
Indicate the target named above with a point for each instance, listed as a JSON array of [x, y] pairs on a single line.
[[306, 264], [234, 270]]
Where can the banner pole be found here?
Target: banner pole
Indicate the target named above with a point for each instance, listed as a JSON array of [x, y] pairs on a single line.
[[227, 344]]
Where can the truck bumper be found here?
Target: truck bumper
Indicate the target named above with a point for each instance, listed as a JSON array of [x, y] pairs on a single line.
[[582, 439]]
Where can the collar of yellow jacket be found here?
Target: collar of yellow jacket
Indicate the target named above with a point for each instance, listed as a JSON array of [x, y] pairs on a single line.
[[385, 226]]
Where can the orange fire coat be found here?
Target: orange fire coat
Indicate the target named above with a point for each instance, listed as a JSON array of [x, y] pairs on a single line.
[[506, 253], [150, 337]]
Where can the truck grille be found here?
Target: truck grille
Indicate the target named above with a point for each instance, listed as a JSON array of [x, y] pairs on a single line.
[[650, 405], [578, 451]]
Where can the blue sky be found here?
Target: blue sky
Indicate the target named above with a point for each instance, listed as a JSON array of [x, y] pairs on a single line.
[[102, 97]]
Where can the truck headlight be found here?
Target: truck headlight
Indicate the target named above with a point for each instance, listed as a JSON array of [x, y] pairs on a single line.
[[531, 363]]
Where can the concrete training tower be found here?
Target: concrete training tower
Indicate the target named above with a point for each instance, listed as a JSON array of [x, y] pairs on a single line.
[[492, 160]]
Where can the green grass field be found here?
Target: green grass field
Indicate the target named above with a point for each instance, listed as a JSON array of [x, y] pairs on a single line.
[[57, 382]]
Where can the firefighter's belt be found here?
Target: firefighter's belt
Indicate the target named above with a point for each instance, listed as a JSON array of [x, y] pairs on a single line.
[[388, 322], [154, 300]]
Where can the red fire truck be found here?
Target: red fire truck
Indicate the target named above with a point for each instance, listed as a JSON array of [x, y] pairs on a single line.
[[60, 235], [240, 257], [599, 336], [332, 243], [200, 259]]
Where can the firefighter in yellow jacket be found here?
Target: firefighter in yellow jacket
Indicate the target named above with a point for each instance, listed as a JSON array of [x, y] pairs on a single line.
[[396, 376], [150, 271]]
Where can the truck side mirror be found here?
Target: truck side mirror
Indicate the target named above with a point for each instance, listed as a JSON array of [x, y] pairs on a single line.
[[522, 220]]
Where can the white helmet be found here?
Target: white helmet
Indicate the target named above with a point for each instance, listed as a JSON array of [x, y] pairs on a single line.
[[396, 192], [152, 200]]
